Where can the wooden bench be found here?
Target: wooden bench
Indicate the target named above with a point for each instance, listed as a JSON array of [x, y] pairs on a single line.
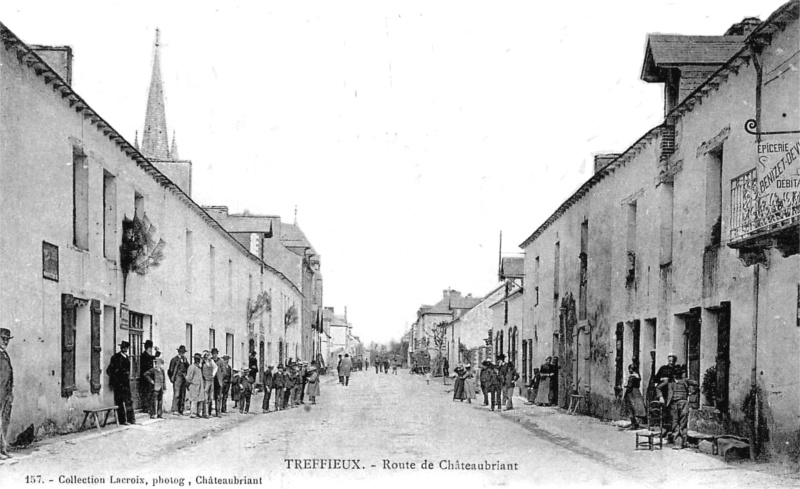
[[94, 414]]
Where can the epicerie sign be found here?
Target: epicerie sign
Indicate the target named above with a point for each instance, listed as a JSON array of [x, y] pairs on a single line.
[[778, 168]]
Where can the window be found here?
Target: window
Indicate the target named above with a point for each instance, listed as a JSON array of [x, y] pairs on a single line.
[[583, 278], [620, 358], [212, 338], [68, 327], [714, 198], [189, 339], [630, 276], [80, 200], [110, 245], [230, 282], [189, 256], [229, 347], [211, 273], [138, 205]]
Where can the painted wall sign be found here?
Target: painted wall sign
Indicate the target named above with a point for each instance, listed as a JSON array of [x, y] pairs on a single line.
[[124, 316], [778, 166], [49, 261]]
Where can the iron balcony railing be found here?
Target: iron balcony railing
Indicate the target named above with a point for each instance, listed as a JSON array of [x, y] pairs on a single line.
[[752, 214]]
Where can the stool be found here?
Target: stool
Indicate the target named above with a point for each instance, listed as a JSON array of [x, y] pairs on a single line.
[[94, 414], [645, 439], [575, 400]]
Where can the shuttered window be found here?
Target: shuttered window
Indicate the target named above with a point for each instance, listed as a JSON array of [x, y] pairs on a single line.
[[67, 345], [96, 348]]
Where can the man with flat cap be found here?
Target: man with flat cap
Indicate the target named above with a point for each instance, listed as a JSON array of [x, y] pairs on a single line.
[[6, 391], [223, 380], [177, 375], [119, 374]]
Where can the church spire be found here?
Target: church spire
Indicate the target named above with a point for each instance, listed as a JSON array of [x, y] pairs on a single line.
[[154, 137], [173, 152]]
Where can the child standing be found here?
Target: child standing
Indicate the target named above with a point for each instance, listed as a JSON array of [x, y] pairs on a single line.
[[235, 389], [155, 377], [245, 391]]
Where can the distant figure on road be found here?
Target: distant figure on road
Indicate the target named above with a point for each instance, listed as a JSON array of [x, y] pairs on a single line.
[[268, 386], [486, 371], [6, 391], [469, 383], [458, 387], [546, 373], [245, 391], [339, 370], [347, 366], [510, 378], [119, 373], [194, 387], [312, 389], [366, 364], [394, 367], [278, 383], [386, 366], [177, 375], [495, 384], [377, 366], [446, 367], [253, 366]]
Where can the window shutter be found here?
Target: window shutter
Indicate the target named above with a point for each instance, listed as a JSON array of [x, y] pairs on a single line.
[[95, 359], [67, 345]]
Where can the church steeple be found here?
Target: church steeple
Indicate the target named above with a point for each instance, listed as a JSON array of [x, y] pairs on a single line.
[[154, 137], [173, 152]]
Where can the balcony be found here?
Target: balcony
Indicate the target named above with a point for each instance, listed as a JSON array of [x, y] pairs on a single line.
[[762, 222]]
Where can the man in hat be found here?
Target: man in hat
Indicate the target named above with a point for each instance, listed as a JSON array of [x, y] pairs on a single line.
[[223, 378], [679, 392], [485, 376], [209, 369], [155, 376], [119, 374], [146, 361], [252, 364], [278, 383], [268, 385], [6, 391], [194, 386], [665, 376], [313, 383], [177, 375]]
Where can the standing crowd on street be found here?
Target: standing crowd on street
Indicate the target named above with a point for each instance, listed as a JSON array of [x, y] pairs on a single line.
[[201, 388]]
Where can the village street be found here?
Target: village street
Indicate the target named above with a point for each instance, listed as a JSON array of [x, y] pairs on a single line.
[[377, 419]]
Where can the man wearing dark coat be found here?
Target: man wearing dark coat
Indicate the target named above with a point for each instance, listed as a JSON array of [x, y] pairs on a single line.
[[278, 383], [119, 374], [223, 378], [486, 372], [253, 365], [268, 386], [177, 375], [147, 361], [6, 391]]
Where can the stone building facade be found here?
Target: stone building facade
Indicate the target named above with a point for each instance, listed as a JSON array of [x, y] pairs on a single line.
[[70, 186], [680, 245]]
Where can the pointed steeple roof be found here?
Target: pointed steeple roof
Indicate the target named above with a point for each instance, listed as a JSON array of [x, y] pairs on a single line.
[[154, 137], [173, 152]]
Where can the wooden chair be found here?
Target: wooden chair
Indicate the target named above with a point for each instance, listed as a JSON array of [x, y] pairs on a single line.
[[647, 438]]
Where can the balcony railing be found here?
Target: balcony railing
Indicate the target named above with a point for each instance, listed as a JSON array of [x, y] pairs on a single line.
[[752, 215]]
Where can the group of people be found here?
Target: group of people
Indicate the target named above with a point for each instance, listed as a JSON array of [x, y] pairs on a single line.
[[542, 388], [384, 365], [201, 387], [674, 393]]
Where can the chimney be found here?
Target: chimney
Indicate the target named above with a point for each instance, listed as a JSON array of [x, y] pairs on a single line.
[[743, 28], [59, 58], [601, 160]]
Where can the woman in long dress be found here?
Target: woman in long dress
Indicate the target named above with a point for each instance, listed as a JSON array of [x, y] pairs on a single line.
[[469, 384], [632, 399], [458, 388], [545, 374], [312, 388]]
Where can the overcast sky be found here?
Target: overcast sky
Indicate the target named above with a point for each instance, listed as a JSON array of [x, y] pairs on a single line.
[[408, 134]]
